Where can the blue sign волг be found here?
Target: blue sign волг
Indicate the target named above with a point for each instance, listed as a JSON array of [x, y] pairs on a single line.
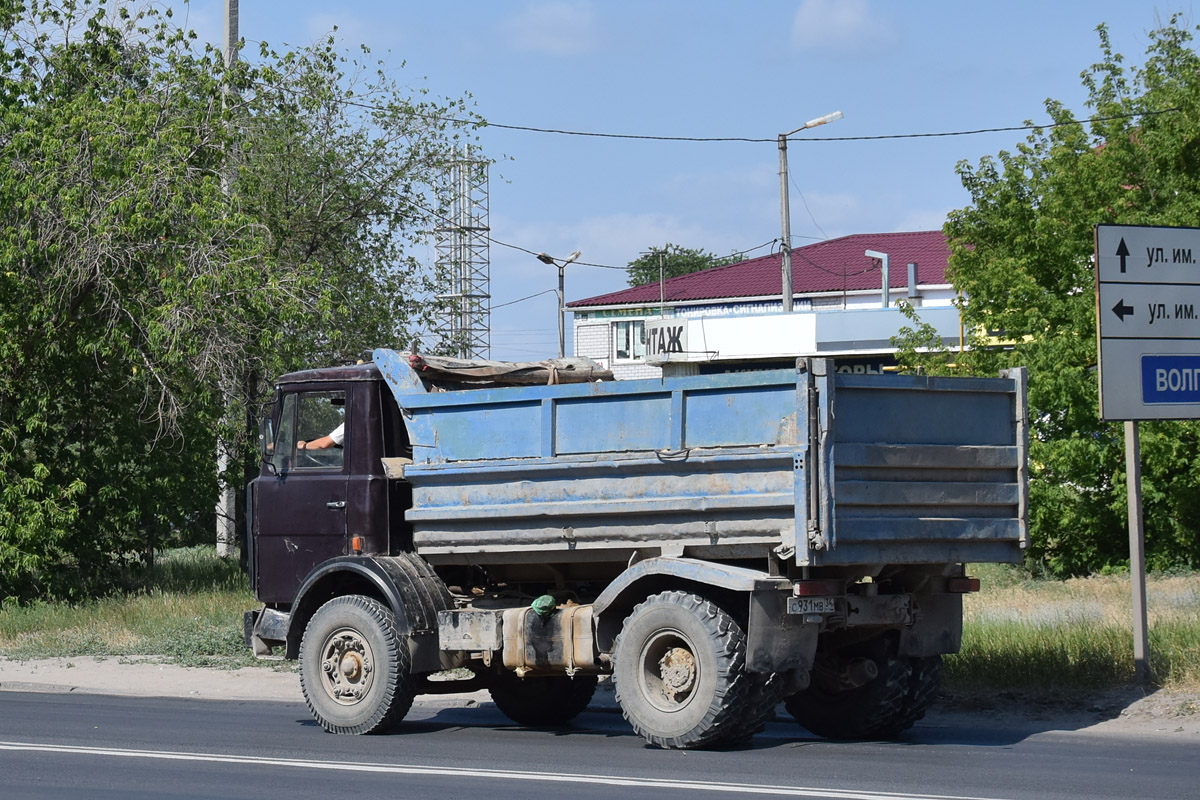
[[1171, 379]]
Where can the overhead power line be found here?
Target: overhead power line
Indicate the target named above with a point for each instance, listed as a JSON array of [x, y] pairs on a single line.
[[714, 258], [773, 139], [522, 299]]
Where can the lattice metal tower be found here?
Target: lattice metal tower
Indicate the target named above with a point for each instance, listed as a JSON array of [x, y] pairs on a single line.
[[463, 260]]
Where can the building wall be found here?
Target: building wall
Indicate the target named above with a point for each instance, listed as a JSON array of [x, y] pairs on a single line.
[[635, 371], [594, 340]]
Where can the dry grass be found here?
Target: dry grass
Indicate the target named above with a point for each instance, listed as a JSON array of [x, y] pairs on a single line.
[[1076, 634]]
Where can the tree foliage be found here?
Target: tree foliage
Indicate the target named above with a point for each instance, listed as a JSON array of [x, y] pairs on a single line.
[[150, 282], [1022, 255], [675, 260]]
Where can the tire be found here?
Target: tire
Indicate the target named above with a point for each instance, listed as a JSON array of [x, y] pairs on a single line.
[[354, 667], [679, 672], [869, 711], [541, 702], [766, 692], [924, 683]]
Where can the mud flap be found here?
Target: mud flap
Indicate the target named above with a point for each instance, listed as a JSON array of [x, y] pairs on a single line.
[[776, 640], [936, 628]]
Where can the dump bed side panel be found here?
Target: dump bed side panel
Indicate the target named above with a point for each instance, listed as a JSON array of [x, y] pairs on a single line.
[[508, 473], [709, 500]]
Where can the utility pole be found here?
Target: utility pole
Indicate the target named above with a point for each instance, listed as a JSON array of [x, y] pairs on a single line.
[[562, 310], [227, 494], [662, 300], [785, 211], [229, 42], [562, 314]]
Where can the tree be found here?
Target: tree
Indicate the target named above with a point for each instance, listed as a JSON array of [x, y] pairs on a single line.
[[676, 261], [341, 169], [1021, 254], [139, 298]]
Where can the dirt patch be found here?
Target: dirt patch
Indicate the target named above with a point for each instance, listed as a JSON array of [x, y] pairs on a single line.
[[1128, 710]]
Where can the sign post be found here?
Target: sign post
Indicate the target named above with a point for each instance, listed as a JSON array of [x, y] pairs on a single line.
[[1137, 552], [1148, 332]]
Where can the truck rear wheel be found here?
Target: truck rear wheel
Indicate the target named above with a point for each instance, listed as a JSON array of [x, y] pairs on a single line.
[[354, 667], [924, 683], [869, 710], [679, 670], [543, 701]]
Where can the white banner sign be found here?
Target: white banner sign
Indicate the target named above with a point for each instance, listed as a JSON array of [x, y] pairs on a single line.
[[665, 337]]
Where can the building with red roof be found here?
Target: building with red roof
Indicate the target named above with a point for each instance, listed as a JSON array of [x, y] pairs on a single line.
[[830, 276]]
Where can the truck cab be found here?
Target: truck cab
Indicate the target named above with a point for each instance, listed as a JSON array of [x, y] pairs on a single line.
[[310, 505]]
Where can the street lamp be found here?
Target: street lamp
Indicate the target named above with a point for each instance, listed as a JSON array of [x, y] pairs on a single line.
[[785, 211], [883, 262], [562, 311]]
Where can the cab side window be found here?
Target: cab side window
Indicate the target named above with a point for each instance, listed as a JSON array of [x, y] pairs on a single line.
[[308, 416]]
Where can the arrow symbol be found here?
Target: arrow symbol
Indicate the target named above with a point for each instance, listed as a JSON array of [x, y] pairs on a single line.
[[1122, 310], [1123, 252]]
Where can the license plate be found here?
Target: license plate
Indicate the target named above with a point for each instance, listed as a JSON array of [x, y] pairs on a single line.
[[811, 605]]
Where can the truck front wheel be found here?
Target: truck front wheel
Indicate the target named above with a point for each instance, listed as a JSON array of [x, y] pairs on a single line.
[[679, 670], [355, 667]]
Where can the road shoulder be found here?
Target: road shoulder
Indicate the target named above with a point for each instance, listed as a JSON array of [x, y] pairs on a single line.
[[1126, 712]]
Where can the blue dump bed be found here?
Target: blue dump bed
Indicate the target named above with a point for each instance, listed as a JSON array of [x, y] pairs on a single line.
[[828, 469]]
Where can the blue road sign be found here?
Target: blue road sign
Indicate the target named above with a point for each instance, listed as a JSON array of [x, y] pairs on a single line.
[[1170, 379]]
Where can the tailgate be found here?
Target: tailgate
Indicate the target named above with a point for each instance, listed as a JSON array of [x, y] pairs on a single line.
[[919, 470]]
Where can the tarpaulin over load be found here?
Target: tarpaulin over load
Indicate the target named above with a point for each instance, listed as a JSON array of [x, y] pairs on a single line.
[[507, 373]]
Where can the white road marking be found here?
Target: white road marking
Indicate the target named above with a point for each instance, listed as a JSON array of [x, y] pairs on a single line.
[[488, 774]]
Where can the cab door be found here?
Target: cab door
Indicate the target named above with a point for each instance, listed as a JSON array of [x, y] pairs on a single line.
[[300, 500]]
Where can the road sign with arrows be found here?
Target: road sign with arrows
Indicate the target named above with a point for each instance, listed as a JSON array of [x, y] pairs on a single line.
[[1148, 321]]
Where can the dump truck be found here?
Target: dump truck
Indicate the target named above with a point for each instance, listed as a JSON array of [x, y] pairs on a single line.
[[713, 545]]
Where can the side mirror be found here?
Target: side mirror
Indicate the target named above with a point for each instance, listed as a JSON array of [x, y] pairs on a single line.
[[266, 439]]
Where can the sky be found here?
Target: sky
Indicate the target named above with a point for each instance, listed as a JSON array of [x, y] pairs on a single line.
[[710, 69]]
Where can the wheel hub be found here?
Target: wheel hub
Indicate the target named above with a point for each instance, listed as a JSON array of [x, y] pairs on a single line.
[[352, 666], [348, 667], [677, 669]]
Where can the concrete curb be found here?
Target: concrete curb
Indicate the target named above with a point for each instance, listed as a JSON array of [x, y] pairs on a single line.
[[148, 677]]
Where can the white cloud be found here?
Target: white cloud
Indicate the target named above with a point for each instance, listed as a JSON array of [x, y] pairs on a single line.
[[553, 27], [839, 26]]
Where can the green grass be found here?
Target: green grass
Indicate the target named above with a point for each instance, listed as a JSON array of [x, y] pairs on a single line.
[[189, 611], [1074, 636]]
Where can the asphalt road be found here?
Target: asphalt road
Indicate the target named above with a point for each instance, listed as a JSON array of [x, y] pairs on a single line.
[[99, 746]]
